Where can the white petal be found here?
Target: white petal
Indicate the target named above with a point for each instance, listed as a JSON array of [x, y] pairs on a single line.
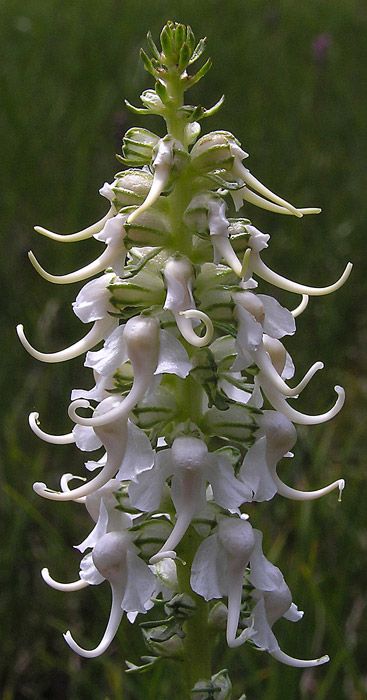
[[112, 355], [92, 302], [278, 320], [139, 455], [255, 474], [88, 571], [206, 578], [173, 358], [140, 584], [85, 438]]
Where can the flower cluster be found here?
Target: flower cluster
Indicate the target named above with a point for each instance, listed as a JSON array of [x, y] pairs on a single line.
[[190, 407]]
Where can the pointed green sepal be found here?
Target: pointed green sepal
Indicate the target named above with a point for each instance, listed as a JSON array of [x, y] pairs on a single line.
[[161, 91], [147, 63], [193, 79], [184, 57], [153, 47], [198, 51], [214, 109], [136, 110], [190, 39], [166, 39]]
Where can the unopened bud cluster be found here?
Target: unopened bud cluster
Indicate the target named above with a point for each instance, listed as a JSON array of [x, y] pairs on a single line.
[[189, 405]]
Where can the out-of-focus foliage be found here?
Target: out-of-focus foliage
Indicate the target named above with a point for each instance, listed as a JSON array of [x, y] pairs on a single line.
[[293, 75]]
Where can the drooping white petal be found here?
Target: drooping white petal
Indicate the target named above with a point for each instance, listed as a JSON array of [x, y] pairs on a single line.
[[58, 586], [80, 235], [93, 301], [139, 454], [140, 584], [255, 475], [278, 321], [228, 491], [111, 356], [66, 439], [277, 280], [113, 436], [85, 438], [173, 358], [111, 629], [88, 571], [162, 165], [94, 336], [245, 194], [142, 339], [206, 574]]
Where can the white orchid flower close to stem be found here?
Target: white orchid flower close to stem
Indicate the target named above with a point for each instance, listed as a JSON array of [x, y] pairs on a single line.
[[274, 440], [114, 558], [178, 275]]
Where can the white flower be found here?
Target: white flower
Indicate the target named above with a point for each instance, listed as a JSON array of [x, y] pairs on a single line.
[[275, 437], [274, 600], [115, 558], [191, 467]]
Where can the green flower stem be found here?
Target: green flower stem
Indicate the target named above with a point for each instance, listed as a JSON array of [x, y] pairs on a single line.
[[175, 122], [197, 642]]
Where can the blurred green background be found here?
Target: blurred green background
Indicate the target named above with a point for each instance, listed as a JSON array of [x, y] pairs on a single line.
[[294, 78]]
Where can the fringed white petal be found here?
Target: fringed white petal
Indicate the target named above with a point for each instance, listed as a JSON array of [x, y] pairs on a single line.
[[58, 586], [79, 235], [66, 439]]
